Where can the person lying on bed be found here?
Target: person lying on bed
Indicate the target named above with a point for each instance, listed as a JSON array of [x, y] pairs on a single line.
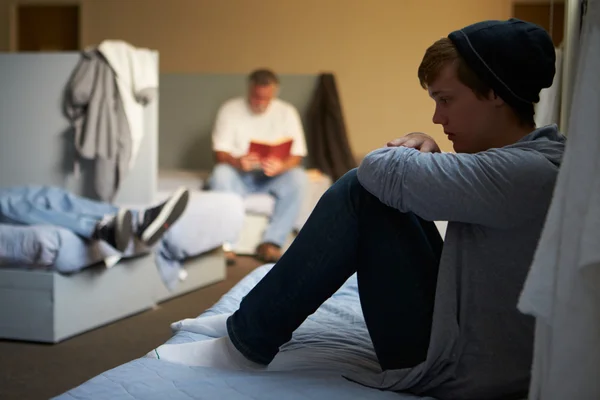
[[442, 315], [261, 117], [94, 220]]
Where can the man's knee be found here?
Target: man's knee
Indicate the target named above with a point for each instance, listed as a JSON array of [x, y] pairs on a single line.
[[223, 177], [347, 185], [349, 180]]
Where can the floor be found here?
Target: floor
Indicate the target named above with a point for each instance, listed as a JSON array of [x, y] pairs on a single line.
[[40, 371]]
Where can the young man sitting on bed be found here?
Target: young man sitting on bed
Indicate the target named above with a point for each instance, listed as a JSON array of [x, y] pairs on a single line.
[[261, 117], [442, 316], [94, 220]]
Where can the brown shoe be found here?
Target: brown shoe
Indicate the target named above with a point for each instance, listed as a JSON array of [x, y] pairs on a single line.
[[230, 258], [268, 252]]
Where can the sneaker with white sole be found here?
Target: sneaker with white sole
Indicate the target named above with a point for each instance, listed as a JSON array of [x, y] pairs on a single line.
[[155, 221], [115, 230]]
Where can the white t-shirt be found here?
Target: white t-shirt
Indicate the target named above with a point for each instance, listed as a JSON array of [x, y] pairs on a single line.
[[236, 125]]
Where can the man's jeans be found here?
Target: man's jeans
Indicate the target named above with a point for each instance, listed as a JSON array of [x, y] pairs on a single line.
[[45, 205], [395, 256], [288, 189]]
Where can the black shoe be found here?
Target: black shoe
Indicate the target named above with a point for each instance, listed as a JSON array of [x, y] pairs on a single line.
[[116, 230], [268, 252], [155, 221]]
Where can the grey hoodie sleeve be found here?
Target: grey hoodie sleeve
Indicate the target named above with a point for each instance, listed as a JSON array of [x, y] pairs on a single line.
[[499, 188]]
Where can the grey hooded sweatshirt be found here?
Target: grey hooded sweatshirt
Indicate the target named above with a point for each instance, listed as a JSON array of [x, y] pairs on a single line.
[[495, 203]]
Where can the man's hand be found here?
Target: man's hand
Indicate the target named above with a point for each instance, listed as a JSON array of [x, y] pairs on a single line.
[[417, 140], [272, 166], [250, 162]]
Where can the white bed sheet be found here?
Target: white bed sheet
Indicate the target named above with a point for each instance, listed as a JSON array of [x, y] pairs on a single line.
[[330, 344]]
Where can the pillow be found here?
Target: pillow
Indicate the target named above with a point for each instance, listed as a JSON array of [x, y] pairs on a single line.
[[28, 245]]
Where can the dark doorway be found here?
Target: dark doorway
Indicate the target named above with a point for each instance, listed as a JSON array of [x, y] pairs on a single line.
[[47, 27]]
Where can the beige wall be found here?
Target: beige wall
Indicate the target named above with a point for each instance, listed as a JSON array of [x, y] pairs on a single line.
[[373, 46]]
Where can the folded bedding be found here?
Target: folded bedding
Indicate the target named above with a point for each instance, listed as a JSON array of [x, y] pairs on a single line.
[[331, 343], [49, 247], [209, 220]]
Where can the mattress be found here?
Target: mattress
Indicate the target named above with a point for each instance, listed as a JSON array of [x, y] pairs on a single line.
[[63, 289], [330, 343]]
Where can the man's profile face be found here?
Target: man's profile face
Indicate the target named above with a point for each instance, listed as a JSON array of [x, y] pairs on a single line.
[[260, 96], [468, 121]]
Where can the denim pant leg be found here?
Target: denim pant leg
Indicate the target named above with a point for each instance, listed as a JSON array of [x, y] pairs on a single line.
[[288, 190], [35, 205], [395, 255]]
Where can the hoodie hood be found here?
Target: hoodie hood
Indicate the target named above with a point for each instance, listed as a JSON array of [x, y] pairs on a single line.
[[546, 140]]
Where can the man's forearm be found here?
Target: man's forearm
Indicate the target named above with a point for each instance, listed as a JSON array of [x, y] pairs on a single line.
[[226, 158]]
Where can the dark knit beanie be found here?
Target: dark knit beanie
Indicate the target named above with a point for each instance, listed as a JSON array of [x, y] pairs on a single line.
[[515, 58]]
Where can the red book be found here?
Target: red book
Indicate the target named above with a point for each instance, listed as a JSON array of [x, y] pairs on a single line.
[[278, 149]]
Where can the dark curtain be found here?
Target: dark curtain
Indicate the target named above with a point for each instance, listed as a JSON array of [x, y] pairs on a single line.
[[327, 140]]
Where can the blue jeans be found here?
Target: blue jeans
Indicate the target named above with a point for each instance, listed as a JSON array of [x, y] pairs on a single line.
[[395, 256], [288, 190], [44, 205]]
